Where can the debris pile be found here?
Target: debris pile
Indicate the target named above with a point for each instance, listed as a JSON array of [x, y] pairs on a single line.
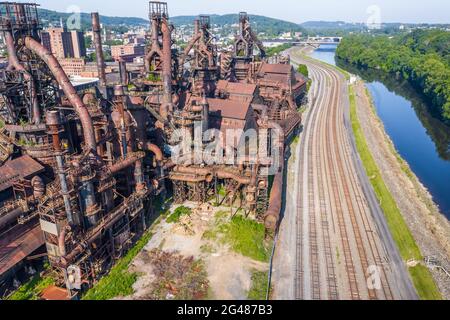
[[176, 277]]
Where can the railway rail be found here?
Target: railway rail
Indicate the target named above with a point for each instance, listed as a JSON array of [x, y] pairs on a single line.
[[338, 244]]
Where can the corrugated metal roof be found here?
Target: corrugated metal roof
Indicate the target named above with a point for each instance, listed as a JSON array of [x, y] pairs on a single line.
[[236, 88], [229, 108], [276, 68], [19, 244], [16, 169], [55, 293]]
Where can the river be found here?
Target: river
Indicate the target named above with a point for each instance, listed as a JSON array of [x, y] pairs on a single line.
[[420, 137]]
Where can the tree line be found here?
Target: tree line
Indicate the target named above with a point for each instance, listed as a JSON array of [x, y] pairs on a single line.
[[422, 57]]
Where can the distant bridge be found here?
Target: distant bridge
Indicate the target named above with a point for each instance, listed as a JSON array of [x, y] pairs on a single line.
[[313, 41]]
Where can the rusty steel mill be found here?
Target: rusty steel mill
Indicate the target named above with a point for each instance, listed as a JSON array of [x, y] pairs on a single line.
[[81, 171]]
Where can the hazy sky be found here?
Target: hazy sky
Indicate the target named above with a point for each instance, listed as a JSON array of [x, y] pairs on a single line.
[[433, 11]]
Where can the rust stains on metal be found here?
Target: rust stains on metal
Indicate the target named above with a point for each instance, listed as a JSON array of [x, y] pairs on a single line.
[[67, 87], [17, 246], [231, 109], [14, 170]]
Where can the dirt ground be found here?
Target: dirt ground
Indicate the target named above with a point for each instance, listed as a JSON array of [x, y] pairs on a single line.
[[229, 273], [429, 227]]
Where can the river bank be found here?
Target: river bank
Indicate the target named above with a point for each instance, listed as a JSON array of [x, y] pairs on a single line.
[[430, 229]]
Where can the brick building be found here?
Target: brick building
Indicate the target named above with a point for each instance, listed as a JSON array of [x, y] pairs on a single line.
[[127, 52], [73, 66], [63, 43]]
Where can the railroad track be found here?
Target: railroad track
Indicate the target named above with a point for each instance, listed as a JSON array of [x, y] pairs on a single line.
[[337, 242]]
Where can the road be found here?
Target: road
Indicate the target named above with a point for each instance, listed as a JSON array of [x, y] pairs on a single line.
[[334, 242]]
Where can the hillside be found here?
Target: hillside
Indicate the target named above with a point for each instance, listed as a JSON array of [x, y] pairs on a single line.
[[267, 25], [52, 17], [263, 24]]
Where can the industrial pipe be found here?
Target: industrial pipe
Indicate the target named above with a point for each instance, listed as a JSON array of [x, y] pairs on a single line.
[[131, 159], [54, 122], [189, 47], [191, 177], [194, 170], [167, 65], [155, 150], [96, 233], [96, 30], [14, 63], [223, 174], [273, 213], [68, 89], [259, 44], [155, 48], [123, 72], [38, 187], [11, 216], [62, 241]]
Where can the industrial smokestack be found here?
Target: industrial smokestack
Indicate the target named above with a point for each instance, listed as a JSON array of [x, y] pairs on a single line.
[[123, 72], [196, 26], [205, 113], [96, 29], [53, 122], [167, 65]]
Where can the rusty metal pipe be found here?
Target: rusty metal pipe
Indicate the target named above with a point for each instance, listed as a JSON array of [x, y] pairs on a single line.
[[155, 48], [155, 150], [62, 241], [96, 233], [273, 213], [54, 122], [96, 30], [68, 89], [14, 63], [167, 64], [123, 72], [223, 174], [127, 162], [188, 48], [11, 216], [191, 177], [198, 171]]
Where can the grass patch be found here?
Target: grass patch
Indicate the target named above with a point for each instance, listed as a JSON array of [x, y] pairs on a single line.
[[32, 289], [222, 191], [247, 237], [406, 244], [258, 290], [244, 236], [178, 213], [119, 281], [424, 284]]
